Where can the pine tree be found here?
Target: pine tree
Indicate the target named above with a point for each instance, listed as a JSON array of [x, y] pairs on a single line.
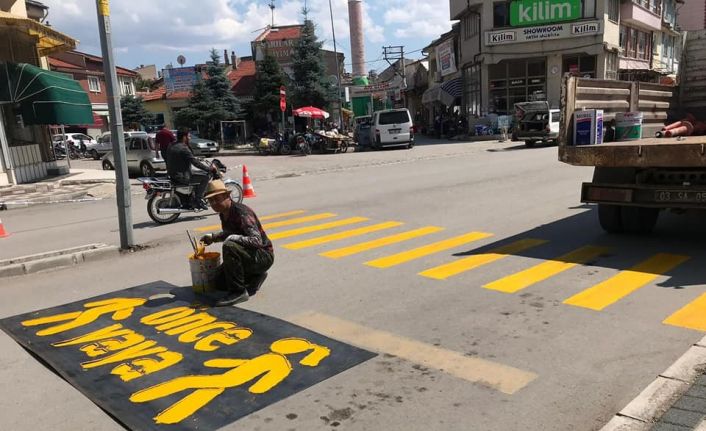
[[211, 102], [269, 79], [134, 112], [310, 85]]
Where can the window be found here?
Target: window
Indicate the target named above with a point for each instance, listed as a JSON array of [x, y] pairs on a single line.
[[394, 117], [580, 65], [471, 90], [471, 26], [516, 81], [611, 65], [501, 14], [635, 43], [126, 88], [94, 84], [614, 10]]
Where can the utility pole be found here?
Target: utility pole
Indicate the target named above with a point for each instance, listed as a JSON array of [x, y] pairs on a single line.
[[338, 72], [122, 183], [394, 54]]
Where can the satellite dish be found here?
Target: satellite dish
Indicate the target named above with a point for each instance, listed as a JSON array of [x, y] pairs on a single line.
[[181, 60]]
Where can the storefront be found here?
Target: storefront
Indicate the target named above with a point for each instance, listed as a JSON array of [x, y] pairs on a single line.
[[515, 81]]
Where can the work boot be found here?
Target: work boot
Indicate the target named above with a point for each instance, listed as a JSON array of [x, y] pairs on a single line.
[[255, 284], [232, 298]]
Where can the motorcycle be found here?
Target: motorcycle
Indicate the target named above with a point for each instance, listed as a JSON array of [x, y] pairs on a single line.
[[303, 145], [166, 201]]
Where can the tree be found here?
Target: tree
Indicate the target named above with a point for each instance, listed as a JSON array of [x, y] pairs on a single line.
[[211, 102], [310, 85], [134, 112], [269, 79]]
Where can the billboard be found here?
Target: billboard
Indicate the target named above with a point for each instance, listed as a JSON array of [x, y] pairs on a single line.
[[446, 58], [180, 79]]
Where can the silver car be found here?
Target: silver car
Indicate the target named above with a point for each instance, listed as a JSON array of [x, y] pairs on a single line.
[[142, 156]]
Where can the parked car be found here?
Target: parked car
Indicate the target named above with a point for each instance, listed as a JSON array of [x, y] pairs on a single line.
[[76, 139], [200, 146], [537, 123], [142, 156], [105, 145], [392, 128]]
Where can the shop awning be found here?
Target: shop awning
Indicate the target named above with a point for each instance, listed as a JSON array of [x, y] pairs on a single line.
[[445, 93], [49, 40], [44, 97]]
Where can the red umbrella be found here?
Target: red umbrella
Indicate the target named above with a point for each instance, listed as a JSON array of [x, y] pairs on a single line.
[[311, 112]]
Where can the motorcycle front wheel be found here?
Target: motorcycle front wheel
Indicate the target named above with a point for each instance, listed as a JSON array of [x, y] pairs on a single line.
[[236, 192], [158, 202]]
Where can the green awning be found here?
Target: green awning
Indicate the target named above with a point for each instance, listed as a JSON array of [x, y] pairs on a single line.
[[44, 97]]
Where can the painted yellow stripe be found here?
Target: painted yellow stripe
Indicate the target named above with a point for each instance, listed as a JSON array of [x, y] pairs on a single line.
[[523, 279], [265, 218], [281, 215], [316, 228], [500, 377], [426, 250], [442, 272], [381, 242], [298, 220], [692, 316], [342, 235], [602, 295]]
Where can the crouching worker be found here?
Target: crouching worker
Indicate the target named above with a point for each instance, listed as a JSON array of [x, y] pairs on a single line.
[[247, 252]]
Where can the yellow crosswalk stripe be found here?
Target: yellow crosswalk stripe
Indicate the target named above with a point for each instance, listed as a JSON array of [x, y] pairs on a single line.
[[298, 220], [426, 250], [265, 218], [621, 285], [523, 279], [381, 242], [281, 215], [692, 316], [442, 272], [342, 235], [316, 228]]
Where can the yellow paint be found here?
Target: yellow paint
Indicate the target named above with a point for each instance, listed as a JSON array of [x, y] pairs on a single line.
[[186, 324], [270, 369], [227, 337], [281, 215], [144, 366], [104, 7], [121, 308], [197, 333], [342, 235], [299, 220], [105, 340], [145, 348], [523, 279], [442, 272], [381, 242], [316, 228], [692, 316], [166, 316], [501, 377], [426, 250], [612, 290]]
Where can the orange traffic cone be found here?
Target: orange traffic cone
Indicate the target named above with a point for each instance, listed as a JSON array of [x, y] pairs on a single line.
[[3, 234], [248, 190]]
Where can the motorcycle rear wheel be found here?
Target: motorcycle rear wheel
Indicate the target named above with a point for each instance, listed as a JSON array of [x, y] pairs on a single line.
[[236, 192], [158, 202]]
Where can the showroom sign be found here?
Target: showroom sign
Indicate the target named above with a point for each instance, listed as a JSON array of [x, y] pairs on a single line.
[[543, 32], [533, 12]]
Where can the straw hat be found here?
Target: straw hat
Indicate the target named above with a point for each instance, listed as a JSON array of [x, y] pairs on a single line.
[[215, 188]]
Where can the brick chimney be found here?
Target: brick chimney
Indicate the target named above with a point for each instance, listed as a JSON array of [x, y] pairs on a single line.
[[234, 60], [225, 57]]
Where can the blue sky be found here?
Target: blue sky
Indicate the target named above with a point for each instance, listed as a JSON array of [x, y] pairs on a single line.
[[157, 31]]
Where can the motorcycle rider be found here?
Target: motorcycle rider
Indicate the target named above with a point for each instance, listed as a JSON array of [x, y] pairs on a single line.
[[247, 251], [180, 159]]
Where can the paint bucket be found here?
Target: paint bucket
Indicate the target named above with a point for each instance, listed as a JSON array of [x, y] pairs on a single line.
[[628, 126], [588, 127], [204, 270]]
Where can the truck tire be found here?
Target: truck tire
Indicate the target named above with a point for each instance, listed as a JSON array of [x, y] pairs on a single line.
[[610, 217], [530, 144], [639, 220]]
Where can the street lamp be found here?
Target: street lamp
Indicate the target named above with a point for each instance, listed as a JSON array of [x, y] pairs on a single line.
[[338, 72]]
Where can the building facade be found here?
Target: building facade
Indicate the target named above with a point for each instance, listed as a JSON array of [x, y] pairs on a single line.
[[518, 51], [87, 69], [692, 15]]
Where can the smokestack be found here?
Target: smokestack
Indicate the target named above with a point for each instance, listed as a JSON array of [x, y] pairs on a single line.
[[355, 19], [233, 60], [225, 57]]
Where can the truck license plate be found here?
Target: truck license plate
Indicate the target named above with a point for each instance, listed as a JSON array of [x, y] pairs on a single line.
[[679, 196]]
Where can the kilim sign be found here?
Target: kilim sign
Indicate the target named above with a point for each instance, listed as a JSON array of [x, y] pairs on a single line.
[[155, 357], [533, 12]]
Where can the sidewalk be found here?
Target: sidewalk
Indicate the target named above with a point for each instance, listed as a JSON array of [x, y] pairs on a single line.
[[77, 185]]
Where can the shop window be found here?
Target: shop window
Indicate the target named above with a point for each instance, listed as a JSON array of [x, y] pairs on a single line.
[[514, 82], [94, 84], [471, 90], [580, 65], [614, 10], [501, 14], [611, 59], [517, 68], [536, 68]]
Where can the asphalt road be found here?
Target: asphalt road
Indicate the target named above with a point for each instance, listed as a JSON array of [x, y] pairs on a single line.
[[468, 346]]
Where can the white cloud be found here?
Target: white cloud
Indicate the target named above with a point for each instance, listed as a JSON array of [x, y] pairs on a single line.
[[417, 18]]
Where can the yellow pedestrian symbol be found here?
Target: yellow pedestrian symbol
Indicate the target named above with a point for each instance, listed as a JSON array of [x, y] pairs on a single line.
[[271, 368]]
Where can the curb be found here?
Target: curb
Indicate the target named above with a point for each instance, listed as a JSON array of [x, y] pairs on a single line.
[[55, 259], [648, 407]]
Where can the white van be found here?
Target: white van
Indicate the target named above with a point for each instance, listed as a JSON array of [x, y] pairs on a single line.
[[392, 128]]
